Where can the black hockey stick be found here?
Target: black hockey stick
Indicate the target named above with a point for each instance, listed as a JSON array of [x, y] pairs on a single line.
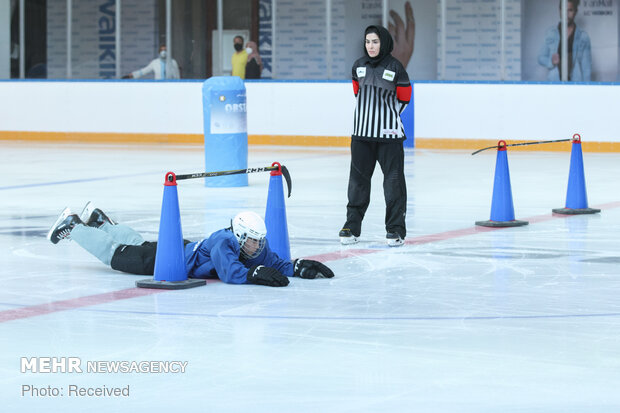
[[274, 167], [521, 144]]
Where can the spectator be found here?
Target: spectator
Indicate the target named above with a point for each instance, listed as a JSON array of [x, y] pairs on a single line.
[[160, 68], [239, 58], [254, 66]]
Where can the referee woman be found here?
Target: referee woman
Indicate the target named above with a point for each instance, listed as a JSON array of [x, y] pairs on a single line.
[[382, 90]]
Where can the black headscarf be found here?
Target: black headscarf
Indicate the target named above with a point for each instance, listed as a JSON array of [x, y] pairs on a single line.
[[385, 38]]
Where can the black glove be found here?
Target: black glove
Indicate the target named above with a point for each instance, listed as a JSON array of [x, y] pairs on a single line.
[[311, 269], [259, 274]]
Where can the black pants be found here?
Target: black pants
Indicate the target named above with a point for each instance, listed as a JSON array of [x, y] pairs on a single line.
[[136, 259], [391, 158]]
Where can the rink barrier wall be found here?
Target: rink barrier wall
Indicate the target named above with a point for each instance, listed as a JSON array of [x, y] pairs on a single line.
[[281, 140], [166, 138], [448, 115]]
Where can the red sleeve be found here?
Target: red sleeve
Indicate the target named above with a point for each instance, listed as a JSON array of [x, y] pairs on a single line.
[[403, 93], [356, 87]]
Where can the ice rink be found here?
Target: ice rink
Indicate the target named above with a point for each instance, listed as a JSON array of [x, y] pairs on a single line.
[[460, 319]]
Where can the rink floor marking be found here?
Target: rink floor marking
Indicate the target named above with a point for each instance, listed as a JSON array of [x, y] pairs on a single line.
[[74, 181], [72, 303], [361, 318], [89, 300], [442, 236]]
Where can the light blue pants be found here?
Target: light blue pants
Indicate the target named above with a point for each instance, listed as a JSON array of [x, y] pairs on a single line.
[[103, 241]]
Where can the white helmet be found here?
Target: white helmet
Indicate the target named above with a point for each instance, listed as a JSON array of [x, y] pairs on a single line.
[[249, 225]]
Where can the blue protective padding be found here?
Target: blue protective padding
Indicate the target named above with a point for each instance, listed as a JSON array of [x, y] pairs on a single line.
[[275, 219], [225, 128], [501, 207], [170, 256], [408, 122], [576, 196]]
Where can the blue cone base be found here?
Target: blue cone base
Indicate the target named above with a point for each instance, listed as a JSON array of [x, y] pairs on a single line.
[[575, 211], [501, 224], [170, 285]]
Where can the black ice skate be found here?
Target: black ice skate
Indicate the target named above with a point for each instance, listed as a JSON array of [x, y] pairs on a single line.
[[394, 240], [347, 237], [94, 217], [63, 226]]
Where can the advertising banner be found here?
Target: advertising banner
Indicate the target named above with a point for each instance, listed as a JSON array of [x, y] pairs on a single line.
[[594, 40]]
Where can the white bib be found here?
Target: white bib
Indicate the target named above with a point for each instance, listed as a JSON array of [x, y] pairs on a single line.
[[388, 75]]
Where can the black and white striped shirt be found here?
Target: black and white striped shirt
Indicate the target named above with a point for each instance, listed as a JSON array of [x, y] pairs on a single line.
[[382, 92]]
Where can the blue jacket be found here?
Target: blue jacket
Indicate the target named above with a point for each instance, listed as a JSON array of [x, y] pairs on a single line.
[[218, 256], [582, 55]]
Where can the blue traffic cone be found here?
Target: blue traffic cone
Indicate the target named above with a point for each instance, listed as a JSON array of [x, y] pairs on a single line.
[[576, 196], [170, 271], [275, 216], [502, 210]]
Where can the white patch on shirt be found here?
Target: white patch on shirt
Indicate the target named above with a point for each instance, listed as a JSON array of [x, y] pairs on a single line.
[[198, 244], [361, 72], [388, 75], [390, 132]]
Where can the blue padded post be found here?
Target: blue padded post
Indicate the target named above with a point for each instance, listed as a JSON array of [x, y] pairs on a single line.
[[225, 127]]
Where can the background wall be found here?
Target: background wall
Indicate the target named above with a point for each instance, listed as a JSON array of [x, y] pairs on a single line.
[[516, 111], [299, 108], [93, 38], [473, 44], [5, 39], [456, 113]]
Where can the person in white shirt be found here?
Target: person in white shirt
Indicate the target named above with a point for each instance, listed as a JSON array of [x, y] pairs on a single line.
[[158, 67]]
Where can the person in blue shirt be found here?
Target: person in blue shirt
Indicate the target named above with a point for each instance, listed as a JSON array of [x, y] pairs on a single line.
[[239, 254], [579, 50]]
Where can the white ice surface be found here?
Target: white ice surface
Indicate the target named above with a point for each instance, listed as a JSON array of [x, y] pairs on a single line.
[[512, 320]]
